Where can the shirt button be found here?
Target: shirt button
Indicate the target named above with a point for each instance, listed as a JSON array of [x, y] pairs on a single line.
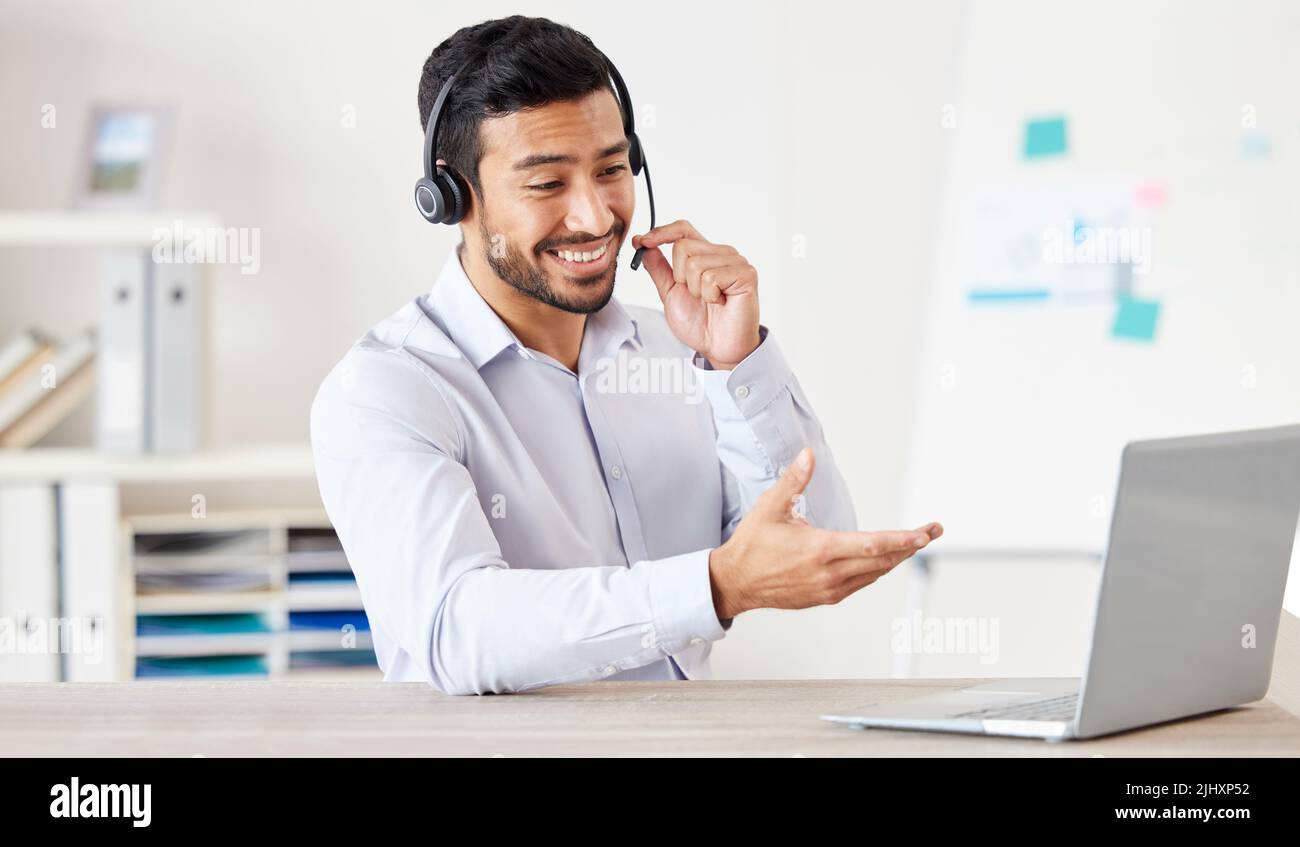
[[742, 392], [616, 472]]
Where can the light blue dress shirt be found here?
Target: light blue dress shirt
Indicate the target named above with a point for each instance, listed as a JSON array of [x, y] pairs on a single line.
[[513, 524]]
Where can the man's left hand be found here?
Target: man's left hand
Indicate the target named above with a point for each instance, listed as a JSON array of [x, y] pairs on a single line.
[[709, 292]]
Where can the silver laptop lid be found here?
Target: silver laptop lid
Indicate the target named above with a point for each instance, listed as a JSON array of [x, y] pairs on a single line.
[[1191, 591]]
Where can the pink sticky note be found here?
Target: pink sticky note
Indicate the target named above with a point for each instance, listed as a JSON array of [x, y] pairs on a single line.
[[1150, 194]]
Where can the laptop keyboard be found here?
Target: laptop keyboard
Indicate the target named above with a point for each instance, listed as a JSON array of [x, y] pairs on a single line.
[[1052, 709]]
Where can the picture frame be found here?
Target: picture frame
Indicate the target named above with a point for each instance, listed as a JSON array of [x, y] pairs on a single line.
[[123, 157]]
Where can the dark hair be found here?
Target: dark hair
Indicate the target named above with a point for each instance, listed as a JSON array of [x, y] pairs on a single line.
[[504, 66]]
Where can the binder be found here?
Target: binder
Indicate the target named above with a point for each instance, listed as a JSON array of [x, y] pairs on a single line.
[[149, 390], [176, 354], [94, 580], [122, 375], [29, 599]]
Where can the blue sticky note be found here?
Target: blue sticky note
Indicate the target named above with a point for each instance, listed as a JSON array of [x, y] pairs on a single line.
[[1009, 295], [1136, 319], [1045, 137], [1254, 145]]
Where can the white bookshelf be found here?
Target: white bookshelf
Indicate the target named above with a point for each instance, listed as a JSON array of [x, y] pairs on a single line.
[[85, 549], [63, 510], [152, 316], [93, 229], [242, 464]]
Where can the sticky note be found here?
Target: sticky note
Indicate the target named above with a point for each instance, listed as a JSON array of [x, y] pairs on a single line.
[[1009, 295], [1254, 145], [1149, 194], [1045, 137], [1136, 319]]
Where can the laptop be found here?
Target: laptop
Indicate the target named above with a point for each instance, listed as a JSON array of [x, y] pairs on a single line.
[[1188, 609]]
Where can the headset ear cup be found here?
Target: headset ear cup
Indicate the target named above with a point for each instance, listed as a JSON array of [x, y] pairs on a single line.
[[634, 153], [456, 193], [429, 200]]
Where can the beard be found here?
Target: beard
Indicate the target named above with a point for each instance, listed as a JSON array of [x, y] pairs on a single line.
[[526, 274]]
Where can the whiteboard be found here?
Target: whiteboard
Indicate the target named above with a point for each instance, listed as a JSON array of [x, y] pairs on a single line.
[[1181, 120]]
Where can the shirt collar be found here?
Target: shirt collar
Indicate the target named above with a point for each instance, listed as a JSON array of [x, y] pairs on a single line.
[[481, 335], [465, 316]]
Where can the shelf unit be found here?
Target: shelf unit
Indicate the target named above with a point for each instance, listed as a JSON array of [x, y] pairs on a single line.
[[64, 512], [69, 522], [301, 574], [149, 344]]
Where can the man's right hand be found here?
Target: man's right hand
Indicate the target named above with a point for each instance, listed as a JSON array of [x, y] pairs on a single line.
[[776, 560]]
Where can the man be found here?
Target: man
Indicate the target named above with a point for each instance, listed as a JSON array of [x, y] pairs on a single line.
[[519, 509]]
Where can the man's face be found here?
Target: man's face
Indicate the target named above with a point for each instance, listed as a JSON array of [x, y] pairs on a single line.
[[557, 198]]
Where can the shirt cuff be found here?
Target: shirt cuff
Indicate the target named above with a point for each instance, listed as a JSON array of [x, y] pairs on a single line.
[[741, 393], [681, 600]]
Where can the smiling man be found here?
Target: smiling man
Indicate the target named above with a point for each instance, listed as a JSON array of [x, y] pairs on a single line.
[[513, 520]]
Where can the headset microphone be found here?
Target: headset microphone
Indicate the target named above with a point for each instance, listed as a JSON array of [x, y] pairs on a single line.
[[635, 153], [442, 196]]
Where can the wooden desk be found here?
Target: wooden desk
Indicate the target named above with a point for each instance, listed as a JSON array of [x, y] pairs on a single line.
[[735, 718], [607, 718]]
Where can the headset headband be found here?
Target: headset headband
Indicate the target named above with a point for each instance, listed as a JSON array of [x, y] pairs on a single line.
[[431, 131], [435, 116], [624, 101]]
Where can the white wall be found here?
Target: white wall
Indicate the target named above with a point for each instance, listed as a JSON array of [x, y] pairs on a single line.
[[770, 121]]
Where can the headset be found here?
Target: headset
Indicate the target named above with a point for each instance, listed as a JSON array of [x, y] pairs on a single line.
[[442, 196]]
